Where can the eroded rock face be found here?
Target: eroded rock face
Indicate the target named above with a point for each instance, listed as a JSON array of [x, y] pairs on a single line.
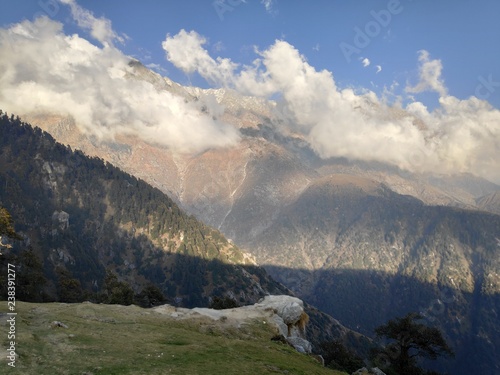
[[60, 220], [283, 313]]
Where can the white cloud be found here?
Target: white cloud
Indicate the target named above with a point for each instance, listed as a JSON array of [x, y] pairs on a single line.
[[379, 69], [269, 5], [429, 75], [460, 136], [218, 47], [466, 134], [313, 105], [157, 68], [365, 62], [185, 50], [42, 69], [100, 28]]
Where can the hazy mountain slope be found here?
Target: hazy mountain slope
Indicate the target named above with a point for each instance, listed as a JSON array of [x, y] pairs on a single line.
[[490, 202], [350, 245], [357, 215]]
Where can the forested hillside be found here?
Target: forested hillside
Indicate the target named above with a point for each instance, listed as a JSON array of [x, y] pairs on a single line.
[[89, 228]]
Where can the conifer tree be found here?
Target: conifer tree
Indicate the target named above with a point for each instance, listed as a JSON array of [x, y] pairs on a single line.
[[409, 341]]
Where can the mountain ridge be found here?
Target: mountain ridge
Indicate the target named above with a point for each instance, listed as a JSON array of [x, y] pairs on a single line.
[[66, 180], [82, 219], [252, 189]]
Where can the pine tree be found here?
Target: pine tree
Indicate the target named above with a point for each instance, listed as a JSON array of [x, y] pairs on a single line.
[[117, 292], [410, 341]]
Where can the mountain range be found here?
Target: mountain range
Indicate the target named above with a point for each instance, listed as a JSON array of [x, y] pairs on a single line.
[[90, 231], [363, 241]]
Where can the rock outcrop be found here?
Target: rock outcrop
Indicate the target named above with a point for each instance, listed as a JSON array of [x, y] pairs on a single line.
[[365, 371], [285, 314], [60, 220]]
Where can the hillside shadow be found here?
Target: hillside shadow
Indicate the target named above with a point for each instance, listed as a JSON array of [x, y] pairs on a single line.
[[363, 300], [360, 300]]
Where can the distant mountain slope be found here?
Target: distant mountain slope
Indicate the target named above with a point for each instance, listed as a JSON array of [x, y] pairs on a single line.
[[490, 202], [364, 254]]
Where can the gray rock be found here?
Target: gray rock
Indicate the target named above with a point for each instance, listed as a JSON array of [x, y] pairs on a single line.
[[372, 371], [300, 349], [300, 344], [56, 323], [286, 307], [283, 313], [291, 312], [60, 219], [361, 371]]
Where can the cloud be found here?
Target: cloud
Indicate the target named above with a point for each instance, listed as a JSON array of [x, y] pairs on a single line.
[[269, 5], [466, 134], [459, 136], [185, 50], [429, 75], [157, 68], [312, 104], [100, 28], [44, 70], [218, 47], [365, 62], [379, 69]]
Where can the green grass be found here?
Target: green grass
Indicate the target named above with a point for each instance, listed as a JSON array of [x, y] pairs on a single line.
[[112, 339]]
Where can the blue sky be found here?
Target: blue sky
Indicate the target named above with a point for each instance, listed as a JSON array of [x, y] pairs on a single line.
[[463, 34], [412, 83]]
